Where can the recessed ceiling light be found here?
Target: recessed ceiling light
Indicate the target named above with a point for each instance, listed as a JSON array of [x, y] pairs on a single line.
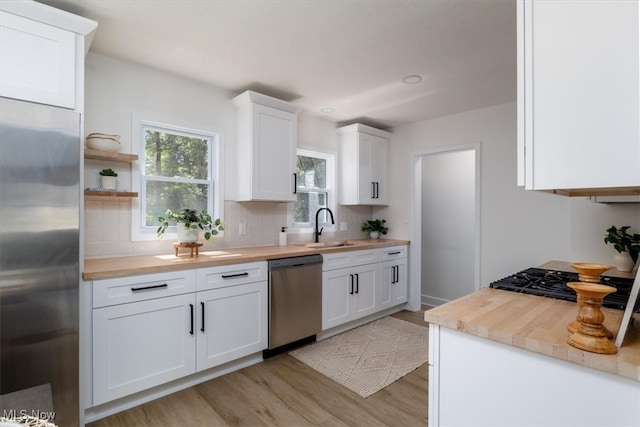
[[327, 110], [412, 79]]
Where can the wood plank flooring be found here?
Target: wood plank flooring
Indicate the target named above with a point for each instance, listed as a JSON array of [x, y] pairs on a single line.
[[283, 391]]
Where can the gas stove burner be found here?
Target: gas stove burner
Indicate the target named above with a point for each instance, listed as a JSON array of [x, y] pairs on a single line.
[[553, 284]]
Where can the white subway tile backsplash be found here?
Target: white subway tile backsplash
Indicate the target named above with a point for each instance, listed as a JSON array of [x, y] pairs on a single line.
[[108, 228]]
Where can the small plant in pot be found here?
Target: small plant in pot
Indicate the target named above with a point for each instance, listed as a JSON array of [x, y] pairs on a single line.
[[627, 245], [108, 179], [189, 223], [375, 227]]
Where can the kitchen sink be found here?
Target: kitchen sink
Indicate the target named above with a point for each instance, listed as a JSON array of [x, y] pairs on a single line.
[[330, 244]]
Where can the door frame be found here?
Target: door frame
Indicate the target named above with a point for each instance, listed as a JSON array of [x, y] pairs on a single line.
[[416, 218]]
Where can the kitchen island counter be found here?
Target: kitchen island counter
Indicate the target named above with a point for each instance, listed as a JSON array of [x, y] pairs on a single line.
[[102, 268], [537, 324]]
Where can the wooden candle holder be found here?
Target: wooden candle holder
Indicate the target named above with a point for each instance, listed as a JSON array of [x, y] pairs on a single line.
[[590, 334], [588, 273]]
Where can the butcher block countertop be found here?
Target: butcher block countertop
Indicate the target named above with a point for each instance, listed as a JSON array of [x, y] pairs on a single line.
[[103, 268], [538, 324]]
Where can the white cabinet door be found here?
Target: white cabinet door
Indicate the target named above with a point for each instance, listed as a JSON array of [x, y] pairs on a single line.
[[392, 289], [231, 323], [362, 301], [364, 171], [140, 345], [578, 94], [336, 290], [267, 131], [348, 294], [37, 61]]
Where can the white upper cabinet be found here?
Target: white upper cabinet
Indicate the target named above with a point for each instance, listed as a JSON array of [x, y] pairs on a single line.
[[364, 167], [267, 141], [42, 54], [578, 94]]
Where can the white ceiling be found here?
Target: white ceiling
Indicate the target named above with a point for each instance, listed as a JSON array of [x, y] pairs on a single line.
[[346, 54]]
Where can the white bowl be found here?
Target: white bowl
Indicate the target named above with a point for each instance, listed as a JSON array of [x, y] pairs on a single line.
[[103, 142]]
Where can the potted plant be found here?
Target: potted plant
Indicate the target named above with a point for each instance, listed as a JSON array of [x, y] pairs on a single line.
[[375, 227], [189, 223], [108, 179], [627, 245]]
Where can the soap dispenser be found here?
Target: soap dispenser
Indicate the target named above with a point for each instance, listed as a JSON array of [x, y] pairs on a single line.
[[283, 236]]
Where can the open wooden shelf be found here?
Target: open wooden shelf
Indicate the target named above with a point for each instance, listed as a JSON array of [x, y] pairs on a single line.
[[109, 156], [96, 194]]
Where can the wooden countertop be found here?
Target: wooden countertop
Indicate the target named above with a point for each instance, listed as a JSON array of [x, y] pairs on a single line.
[[538, 324], [103, 268]]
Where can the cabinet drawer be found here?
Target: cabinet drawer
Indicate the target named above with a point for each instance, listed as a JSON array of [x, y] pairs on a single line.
[[138, 288], [230, 275], [394, 252], [348, 259]]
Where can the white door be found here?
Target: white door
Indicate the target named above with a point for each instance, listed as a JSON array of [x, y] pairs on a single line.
[[231, 323], [363, 298], [336, 290], [140, 345], [274, 154], [449, 225]]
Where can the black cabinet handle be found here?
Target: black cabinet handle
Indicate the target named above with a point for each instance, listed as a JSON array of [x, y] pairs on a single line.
[[377, 190], [394, 253], [231, 276], [395, 271], [191, 330], [351, 284], [295, 183], [202, 307], [146, 288], [373, 190], [357, 283]]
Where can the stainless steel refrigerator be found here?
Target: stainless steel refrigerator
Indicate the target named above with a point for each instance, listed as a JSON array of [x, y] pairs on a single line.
[[39, 261]]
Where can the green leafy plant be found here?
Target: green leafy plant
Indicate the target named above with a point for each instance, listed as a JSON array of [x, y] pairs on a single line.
[[375, 225], [191, 219], [108, 172], [622, 241]]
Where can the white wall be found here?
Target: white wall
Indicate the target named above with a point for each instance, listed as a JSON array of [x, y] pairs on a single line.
[[116, 89], [519, 228]]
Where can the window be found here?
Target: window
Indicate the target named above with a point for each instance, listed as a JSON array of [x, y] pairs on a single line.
[[315, 189], [177, 170]]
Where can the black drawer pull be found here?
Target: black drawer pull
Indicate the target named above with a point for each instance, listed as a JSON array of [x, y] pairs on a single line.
[[357, 283], [191, 331], [231, 276], [351, 283], [146, 288], [394, 253], [202, 306]]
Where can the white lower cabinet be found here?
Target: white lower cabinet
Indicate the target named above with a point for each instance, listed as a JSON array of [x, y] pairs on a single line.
[[365, 287], [232, 323], [139, 344], [392, 289], [348, 294]]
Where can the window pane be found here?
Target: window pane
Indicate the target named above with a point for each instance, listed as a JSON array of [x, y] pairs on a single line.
[[161, 196], [312, 172], [174, 155], [306, 206]]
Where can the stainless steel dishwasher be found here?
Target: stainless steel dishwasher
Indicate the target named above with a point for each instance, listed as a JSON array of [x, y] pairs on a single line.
[[295, 302]]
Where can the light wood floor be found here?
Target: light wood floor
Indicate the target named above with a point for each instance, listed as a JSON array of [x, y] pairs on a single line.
[[283, 391]]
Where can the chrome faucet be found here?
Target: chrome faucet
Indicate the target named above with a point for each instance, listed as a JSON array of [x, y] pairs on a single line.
[[317, 233]]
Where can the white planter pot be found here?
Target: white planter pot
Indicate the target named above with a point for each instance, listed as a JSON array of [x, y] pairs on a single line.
[[108, 182], [187, 235], [374, 234], [623, 261]]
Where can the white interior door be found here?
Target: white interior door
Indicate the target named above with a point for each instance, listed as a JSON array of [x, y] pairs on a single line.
[[449, 225]]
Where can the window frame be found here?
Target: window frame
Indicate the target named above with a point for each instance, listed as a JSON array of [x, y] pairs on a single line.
[[304, 227], [215, 201]]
